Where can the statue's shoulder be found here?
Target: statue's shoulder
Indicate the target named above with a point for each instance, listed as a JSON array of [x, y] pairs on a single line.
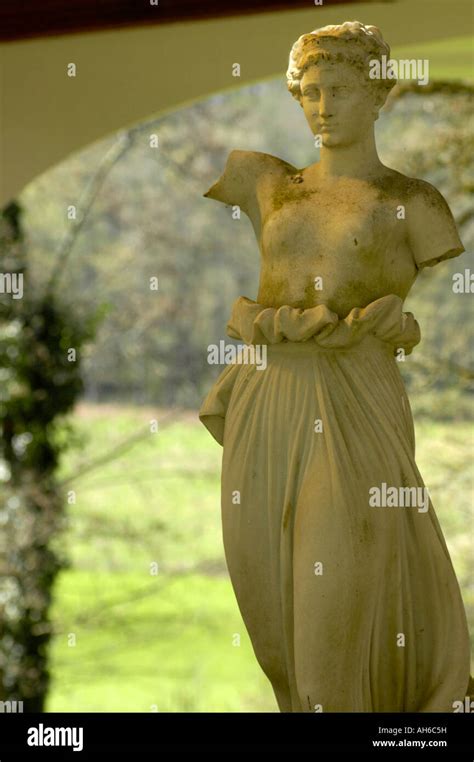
[[256, 165], [413, 191], [243, 172]]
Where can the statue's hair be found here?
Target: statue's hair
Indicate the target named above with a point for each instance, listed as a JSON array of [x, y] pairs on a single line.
[[359, 44]]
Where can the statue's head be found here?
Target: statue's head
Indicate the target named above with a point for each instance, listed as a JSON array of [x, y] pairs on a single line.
[[328, 73]]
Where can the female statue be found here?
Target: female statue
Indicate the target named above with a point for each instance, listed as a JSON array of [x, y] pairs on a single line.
[[338, 563]]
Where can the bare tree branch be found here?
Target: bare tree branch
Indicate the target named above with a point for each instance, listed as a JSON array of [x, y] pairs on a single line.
[[119, 450]]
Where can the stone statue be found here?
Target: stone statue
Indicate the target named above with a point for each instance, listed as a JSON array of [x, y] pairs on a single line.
[[338, 563]]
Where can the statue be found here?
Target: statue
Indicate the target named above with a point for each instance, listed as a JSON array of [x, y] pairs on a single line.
[[334, 551]]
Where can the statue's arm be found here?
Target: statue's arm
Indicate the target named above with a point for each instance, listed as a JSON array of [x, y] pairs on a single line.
[[432, 231]]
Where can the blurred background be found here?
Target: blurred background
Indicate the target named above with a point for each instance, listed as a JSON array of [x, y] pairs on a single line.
[[114, 594]]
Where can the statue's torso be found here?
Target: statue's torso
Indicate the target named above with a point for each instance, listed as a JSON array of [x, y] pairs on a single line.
[[349, 233]]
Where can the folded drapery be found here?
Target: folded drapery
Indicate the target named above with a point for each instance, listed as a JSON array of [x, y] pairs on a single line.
[[350, 605]]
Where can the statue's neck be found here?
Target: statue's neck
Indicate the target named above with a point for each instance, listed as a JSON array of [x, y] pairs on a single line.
[[356, 160]]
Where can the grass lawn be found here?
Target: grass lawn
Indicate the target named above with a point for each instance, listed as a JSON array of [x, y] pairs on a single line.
[[145, 616], [147, 600]]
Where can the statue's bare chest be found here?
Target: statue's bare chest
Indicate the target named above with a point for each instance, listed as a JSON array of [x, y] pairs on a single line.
[[350, 237], [340, 222]]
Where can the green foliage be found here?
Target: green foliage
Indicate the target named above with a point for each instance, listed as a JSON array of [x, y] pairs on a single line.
[[40, 383]]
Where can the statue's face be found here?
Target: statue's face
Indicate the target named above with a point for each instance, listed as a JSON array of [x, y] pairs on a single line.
[[338, 103]]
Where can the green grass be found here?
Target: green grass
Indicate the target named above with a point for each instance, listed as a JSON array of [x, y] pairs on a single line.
[[174, 640], [156, 644], [171, 641]]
